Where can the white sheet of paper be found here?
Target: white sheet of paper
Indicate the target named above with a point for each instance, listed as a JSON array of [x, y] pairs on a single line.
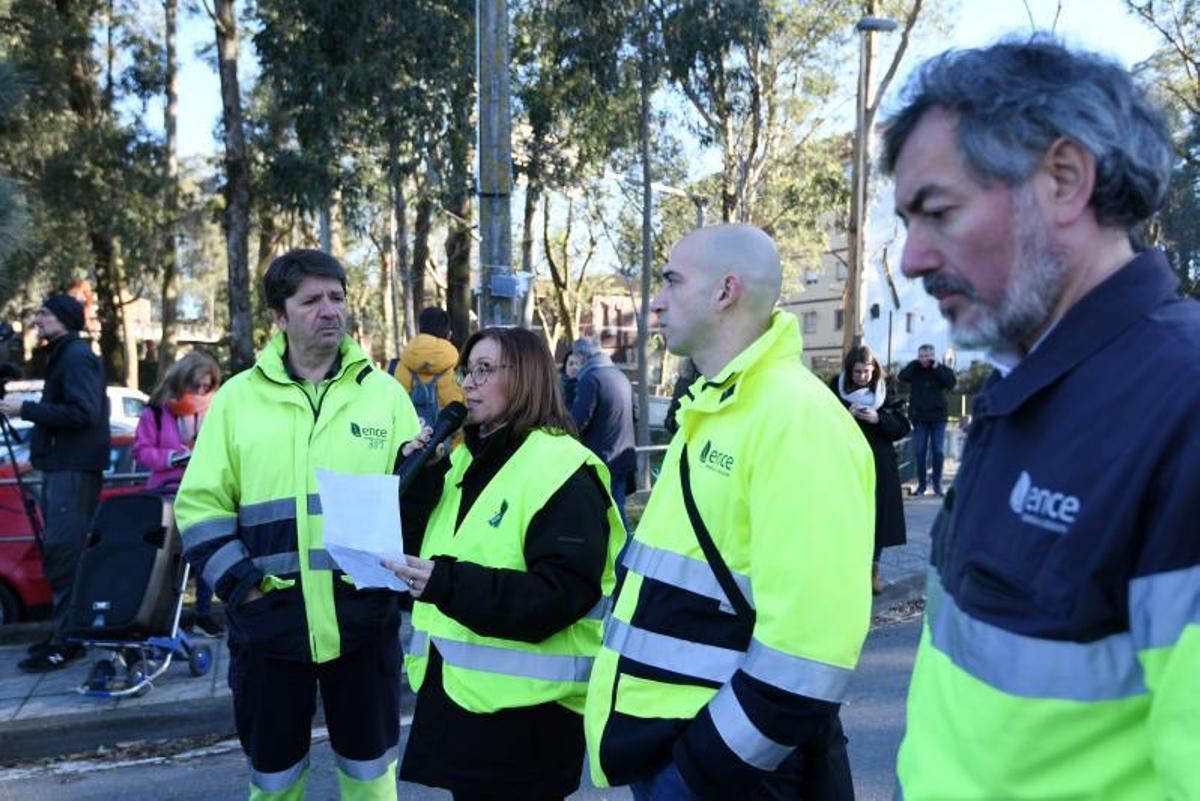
[[362, 526]]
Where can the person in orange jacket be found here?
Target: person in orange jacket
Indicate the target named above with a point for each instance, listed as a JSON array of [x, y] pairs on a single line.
[[432, 358]]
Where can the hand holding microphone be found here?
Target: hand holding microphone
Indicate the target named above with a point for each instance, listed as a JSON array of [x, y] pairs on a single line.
[[449, 420]]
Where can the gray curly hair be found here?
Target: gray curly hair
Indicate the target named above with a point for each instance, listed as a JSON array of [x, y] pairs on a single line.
[[1013, 99], [586, 346]]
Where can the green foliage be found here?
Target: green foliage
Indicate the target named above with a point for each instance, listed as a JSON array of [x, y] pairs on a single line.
[[1179, 220], [14, 217], [87, 170], [1172, 76], [574, 87]]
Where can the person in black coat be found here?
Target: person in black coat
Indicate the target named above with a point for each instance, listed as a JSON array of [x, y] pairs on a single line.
[[863, 388], [520, 753], [70, 446], [929, 382]]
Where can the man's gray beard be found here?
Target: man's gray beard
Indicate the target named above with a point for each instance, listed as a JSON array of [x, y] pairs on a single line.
[[1034, 287]]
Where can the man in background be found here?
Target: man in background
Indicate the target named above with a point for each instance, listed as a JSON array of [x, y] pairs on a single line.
[[70, 447], [603, 412], [928, 384], [426, 367]]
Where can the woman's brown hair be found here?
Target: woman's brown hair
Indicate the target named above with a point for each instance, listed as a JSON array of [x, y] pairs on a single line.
[[861, 354], [183, 375], [534, 390]]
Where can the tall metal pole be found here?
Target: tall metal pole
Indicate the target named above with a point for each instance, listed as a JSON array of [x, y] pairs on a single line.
[[851, 332], [643, 421], [857, 245], [501, 292]]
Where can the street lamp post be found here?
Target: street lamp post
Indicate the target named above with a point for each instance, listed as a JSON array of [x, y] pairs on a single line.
[[852, 303]]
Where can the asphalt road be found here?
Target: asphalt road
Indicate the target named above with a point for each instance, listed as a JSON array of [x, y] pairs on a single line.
[[873, 717]]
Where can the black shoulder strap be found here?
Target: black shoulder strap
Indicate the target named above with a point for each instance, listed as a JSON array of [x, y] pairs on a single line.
[[392, 365], [711, 554]]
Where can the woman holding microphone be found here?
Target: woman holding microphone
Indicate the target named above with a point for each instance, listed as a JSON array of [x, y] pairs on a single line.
[[514, 572]]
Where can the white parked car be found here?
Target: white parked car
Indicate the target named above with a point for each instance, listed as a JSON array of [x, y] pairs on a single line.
[[125, 405]]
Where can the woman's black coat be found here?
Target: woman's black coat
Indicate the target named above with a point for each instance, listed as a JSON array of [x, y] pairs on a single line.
[[527, 752], [889, 502]]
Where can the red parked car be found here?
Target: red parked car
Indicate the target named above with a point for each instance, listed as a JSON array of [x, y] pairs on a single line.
[[24, 591]]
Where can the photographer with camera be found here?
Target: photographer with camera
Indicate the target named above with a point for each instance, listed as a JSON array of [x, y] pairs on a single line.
[[70, 447]]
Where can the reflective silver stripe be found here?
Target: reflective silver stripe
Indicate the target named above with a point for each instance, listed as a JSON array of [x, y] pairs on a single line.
[[1161, 606], [693, 659], [278, 564], [1030, 667], [365, 770], [224, 558], [417, 643], [314, 504], [280, 780], [207, 531], [526, 664], [742, 736], [600, 610], [319, 559], [680, 571], [257, 514], [796, 674]]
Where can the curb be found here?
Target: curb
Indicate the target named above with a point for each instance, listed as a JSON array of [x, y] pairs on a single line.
[[62, 735], [85, 732], [906, 590], [57, 736], [21, 633]]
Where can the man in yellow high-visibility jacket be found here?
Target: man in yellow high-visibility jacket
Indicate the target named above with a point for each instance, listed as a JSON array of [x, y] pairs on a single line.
[[251, 523], [747, 593]]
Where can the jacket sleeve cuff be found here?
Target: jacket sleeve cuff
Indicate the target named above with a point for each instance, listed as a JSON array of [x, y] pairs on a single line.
[[234, 585], [709, 768], [437, 590]]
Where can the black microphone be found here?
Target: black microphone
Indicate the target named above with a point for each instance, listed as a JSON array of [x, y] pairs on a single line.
[[449, 420]]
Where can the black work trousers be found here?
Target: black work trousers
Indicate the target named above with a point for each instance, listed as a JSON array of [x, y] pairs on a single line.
[[274, 701], [69, 499]]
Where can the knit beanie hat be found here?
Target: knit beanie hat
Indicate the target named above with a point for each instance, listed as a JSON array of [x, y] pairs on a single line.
[[68, 311]]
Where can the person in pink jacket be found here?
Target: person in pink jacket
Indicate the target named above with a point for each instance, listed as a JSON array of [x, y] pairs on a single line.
[[166, 434]]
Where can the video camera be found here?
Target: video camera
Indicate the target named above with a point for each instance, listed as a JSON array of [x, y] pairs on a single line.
[[8, 370]]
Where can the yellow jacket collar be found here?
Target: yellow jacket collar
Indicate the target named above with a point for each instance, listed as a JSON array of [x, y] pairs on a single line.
[[270, 360], [780, 340]]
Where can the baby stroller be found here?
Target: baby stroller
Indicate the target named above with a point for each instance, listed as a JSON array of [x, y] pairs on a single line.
[[128, 596]]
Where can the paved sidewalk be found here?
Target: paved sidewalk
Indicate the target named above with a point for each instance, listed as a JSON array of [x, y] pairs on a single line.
[[42, 715]]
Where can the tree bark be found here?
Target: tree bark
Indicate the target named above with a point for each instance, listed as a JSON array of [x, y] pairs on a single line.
[[404, 268], [170, 269], [108, 310], [422, 226], [236, 221], [458, 203]]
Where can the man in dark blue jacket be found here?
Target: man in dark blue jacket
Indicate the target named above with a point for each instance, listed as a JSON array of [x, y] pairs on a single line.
[[603, 412], [1061, 652], [929, 382], [70, 446]]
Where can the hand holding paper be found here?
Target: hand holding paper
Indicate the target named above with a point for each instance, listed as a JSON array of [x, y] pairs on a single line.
[[362, 526]]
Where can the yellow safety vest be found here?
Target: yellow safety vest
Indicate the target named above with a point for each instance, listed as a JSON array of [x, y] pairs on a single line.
[[486, 674]]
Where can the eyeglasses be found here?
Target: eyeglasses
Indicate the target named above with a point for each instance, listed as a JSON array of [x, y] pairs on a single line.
[[479, 374]]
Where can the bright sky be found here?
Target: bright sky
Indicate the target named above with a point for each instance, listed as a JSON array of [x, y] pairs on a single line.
[[1102, 25]]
